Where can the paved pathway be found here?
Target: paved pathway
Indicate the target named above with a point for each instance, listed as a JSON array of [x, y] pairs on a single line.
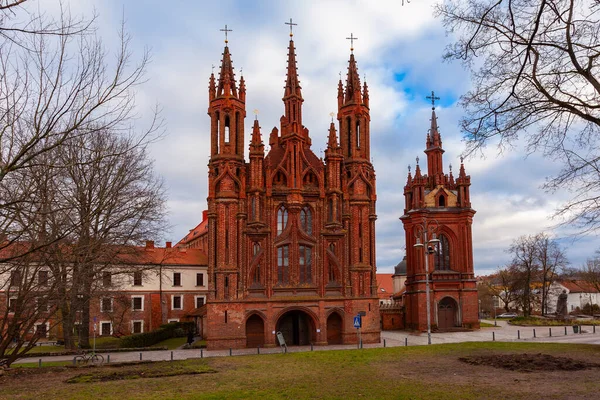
[[504, 333]]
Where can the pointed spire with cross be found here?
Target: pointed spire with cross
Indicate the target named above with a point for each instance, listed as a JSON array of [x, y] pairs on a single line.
[[226, 31], [291, 24], [351, 39], [433, 98]]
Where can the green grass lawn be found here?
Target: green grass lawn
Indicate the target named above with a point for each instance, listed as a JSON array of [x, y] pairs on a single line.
[[172, 344], [419, 372], [487, 325]]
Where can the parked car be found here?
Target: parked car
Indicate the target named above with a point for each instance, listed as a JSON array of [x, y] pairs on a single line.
[[508, 315]]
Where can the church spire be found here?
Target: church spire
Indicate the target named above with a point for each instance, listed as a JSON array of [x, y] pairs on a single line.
[[226, 86], [434, 151], [353, 93], [292, 97]]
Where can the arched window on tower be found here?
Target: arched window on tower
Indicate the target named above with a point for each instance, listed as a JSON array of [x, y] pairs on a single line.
[[442, 201], [357, 134], [218, 124], [306, 220], [349, 136], [330, 210], [282, 217], [227, 125], [442, 254]]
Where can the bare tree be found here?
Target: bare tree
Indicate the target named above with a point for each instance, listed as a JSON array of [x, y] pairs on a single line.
[[525, 266], [552, 261], [535, 69], [590, 272]]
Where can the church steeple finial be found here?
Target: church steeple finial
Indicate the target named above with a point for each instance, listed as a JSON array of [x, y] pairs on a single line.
[[353, 89]]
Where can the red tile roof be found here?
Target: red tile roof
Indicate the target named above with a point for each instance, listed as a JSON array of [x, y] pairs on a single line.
[[579, 287], [385, 286]]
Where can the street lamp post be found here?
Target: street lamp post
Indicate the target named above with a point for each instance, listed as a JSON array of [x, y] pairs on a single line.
[[423, 230], [494, 306]]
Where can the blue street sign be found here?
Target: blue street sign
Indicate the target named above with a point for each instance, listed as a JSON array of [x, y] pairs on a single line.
[[94, 319], [357, 322]]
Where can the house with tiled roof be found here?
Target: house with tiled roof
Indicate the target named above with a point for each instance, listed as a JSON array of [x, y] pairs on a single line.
[[579, 294]]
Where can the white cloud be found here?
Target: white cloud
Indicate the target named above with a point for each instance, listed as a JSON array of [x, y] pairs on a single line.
[[393, 42]]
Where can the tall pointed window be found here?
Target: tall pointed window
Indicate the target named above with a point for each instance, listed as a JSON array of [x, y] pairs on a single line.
[[283, 264], [306, 220], [442, 254], [357, 134], [282, 217], [305, 264], [227, 129]]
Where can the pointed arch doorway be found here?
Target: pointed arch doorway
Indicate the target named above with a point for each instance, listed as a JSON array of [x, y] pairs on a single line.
[[447, 310], [297, 328]]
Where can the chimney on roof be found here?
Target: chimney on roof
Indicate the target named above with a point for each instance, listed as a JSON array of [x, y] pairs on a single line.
[[204, 215], [169, 245], [149, 244]]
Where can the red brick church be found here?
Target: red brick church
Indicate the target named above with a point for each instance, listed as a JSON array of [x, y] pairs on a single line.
[[440, 205], [291, 237]]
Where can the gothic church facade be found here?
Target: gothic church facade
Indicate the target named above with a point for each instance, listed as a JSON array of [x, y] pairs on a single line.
[[291, 237]]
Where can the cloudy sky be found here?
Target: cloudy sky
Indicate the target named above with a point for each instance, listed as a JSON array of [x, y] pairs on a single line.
[[399, 49]]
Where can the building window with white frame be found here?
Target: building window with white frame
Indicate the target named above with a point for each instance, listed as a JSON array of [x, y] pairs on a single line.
[[43, 278], [137, 278], [41, 330], [199, 301], [176, 278], [172, 320], [137, 303], [106, 304], [199, 279], [106, 328], [41, 303], [137, 326], [177, 302], [12, 304]]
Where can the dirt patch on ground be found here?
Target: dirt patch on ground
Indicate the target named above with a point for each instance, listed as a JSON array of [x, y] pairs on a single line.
[[529, 362]]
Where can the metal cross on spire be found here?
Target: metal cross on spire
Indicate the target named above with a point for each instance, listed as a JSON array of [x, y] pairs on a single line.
[[226, 30], [351, 39], [291, 24], [213, 69], [255, 111], [433, 98], [331, 114]]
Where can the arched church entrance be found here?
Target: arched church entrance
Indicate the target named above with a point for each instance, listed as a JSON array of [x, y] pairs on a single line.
[[297, 328], [255, 331], [334, 329], [447, 309]]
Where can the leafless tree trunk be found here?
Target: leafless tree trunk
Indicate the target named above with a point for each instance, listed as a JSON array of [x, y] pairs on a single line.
[[535, 69], [551, 260]]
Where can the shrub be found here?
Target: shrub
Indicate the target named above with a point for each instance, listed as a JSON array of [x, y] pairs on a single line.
[[164, 332]]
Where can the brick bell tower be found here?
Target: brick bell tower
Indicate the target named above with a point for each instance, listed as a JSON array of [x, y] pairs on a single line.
[[441, 204], [358, 181], [226, 180]]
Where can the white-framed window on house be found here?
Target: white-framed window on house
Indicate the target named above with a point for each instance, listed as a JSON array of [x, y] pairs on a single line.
[[41, 303], [12, 304], [172, 320], [137, 326], [106, 304], [137, 303], [106, 278], [199, 301], [106, 328], [177, 302], [137, 278], [199, 279], [43, 278], [41, 330], [176, 278]]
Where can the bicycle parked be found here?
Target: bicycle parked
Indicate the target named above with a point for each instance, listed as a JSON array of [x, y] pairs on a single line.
[[92, 357]]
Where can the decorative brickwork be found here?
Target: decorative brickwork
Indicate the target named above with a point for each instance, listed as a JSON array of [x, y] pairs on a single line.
[[443, 203], [291, 237]]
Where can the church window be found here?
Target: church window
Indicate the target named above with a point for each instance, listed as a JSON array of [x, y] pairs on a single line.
[[357, 134], [253, 216], [256, 249], [442, 254], [280, 179], [330, 210], [442, 201], [227, 129], [306, 220], [349, 136], [256, 276], [283, 264], [305, 263], [218, 123], [282, 217]]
